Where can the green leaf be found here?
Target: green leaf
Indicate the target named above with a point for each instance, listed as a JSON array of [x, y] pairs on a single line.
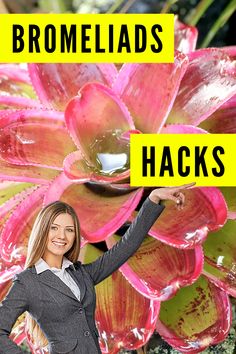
[[220, 22]]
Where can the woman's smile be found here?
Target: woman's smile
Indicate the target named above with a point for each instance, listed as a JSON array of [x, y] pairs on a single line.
[[59, 244]]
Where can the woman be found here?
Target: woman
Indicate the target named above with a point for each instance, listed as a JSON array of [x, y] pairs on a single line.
[[57, 290]]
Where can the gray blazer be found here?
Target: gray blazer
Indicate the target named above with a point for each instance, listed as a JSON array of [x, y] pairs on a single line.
[[69, 324]]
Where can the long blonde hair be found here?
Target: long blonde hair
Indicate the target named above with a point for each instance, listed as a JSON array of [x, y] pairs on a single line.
[[36, 248]]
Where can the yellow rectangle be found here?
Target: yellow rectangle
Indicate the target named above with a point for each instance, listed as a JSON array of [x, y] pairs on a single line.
[[175, 159], [87, 38]]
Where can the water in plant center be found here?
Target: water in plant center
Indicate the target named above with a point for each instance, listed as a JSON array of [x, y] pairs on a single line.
[[110, 153]]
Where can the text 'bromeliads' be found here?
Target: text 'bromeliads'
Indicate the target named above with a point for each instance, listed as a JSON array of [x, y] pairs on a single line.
[[74, 38]]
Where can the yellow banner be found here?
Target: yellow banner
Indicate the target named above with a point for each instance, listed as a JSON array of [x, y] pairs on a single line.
[[174, 159], [87, 38]]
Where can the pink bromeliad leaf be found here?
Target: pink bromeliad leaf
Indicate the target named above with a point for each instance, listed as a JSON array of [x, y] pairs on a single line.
[[205, 210], [98, 122], [230, 103], [220, 257], [18, 102], [149, 90], [15, 88], [18, 331], [35, 137], [15, 81], [11, 194], [35, 349], [75, 168], [109, 210], [157, 270], [8, 191], [210, 80], [24, 173], [229, 194], [119, 323], [223, 121], [230, 50], [33, 346], [185, 37], [56, 84], [4, 288], [198, 316], [16, 231], [181, 129], [7, 273]]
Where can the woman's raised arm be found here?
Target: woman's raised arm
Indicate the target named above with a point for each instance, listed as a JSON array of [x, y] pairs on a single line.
[[112, 259]]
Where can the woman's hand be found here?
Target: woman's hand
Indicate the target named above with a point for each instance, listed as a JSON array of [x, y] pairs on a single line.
[[170, 193]]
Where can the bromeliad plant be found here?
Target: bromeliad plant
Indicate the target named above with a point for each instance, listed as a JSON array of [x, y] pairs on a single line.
[[73, 144]]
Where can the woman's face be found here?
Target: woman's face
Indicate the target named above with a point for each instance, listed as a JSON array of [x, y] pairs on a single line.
[[61, 235]]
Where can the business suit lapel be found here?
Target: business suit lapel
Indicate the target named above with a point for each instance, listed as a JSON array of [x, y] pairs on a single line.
[[78, 278], [49, 278]]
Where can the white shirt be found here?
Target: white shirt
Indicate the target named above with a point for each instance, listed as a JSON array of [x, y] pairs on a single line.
[[41, 266]]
